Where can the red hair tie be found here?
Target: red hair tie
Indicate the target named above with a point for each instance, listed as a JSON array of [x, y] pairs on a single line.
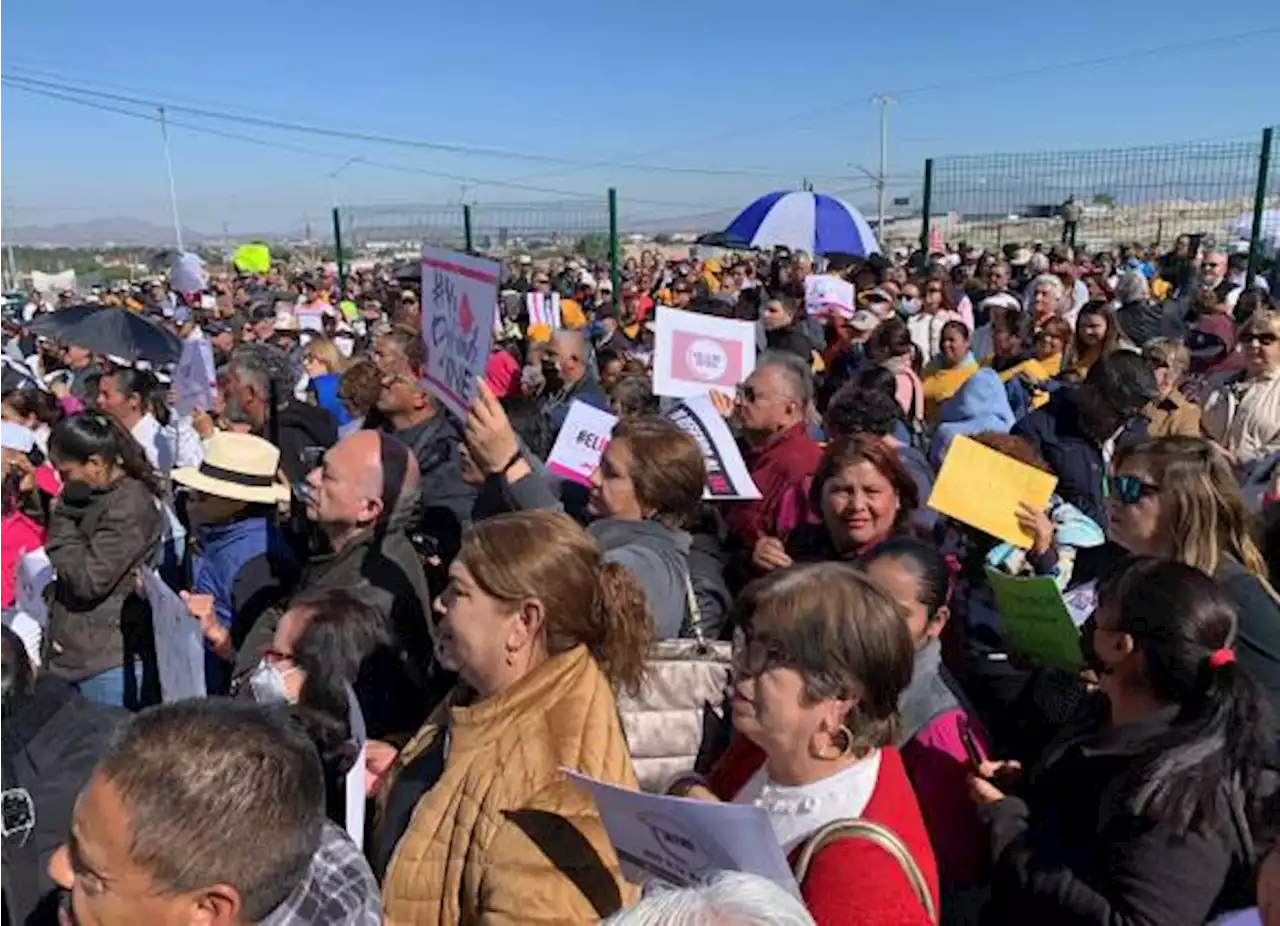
[[1221, 657]]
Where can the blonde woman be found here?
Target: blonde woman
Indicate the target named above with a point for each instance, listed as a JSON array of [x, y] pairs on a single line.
[[1242, 412], [1170, 415], [1176, 498], [324, 365], [477, 822]]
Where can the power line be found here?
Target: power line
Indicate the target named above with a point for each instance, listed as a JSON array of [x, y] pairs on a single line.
[[373, 138], [953, 82], [283, 146]]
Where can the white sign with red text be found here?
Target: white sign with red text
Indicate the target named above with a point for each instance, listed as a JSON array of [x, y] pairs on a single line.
[[693, 353], [826, 295], [459, 300]]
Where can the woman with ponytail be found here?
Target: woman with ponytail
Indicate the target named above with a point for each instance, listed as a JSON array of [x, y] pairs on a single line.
[[1143, 810], [105, 525], [477, 821]]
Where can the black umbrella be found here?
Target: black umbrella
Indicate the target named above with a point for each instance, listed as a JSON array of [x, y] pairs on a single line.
[[113, 331]]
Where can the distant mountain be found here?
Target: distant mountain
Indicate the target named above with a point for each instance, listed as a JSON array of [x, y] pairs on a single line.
[[97, 233]]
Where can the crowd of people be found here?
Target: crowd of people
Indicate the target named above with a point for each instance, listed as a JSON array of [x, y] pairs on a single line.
[[412, 628]]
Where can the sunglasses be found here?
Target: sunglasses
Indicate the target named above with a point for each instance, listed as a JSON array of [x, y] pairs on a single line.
[[1265, 338], [1129, 490]]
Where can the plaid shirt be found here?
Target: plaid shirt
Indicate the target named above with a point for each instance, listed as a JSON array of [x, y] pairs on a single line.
[[339, 889]]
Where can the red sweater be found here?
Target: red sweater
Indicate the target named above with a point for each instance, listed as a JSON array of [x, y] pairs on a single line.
[[789, 461], [853, 882]]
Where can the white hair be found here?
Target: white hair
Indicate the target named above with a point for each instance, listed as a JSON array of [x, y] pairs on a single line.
[[1046, 279], [1132, 287], [730, 898]]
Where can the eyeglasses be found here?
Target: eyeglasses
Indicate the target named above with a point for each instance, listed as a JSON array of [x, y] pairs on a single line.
[[1265, 338], [753, 655], [748, 393], [1129, 490]]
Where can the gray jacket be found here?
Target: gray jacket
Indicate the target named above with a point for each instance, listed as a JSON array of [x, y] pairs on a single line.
[[659, 558]]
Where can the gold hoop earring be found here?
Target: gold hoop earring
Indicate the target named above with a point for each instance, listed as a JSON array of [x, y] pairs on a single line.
[[845, 749]]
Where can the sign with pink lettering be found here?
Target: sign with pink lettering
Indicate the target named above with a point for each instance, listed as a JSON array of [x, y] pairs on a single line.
[[459, 300], [694, 353], [581, 442]]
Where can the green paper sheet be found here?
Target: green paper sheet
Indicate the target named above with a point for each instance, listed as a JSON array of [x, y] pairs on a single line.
[[1036, 621]]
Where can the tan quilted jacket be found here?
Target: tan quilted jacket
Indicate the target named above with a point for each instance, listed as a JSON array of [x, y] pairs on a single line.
[[504, 837]]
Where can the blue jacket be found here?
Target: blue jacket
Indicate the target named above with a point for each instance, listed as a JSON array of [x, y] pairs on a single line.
[[586, 389], [326, 389], [245, 566], [1075, 455], [981, 404]]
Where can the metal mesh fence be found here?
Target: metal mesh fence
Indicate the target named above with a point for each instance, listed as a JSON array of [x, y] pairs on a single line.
[[1147, 195], [495, 227]]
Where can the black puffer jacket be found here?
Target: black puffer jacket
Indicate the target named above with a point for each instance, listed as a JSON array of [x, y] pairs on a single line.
[[97, 541], [52, 740]]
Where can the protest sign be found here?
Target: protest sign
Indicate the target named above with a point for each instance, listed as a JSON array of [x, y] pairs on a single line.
[[459, 298], [354, 792], [179, 643], [581, 442], [678, 841], [252, 258], [693, 354], [35, 572], [727, 475], [1035, 619], [826, 294], [982, 488], [186, 273], [195, 377]]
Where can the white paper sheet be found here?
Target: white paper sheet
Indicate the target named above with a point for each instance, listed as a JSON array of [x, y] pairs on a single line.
[[354, 796], [35, 572], [179, 643], [581, 442], [727, 476], [195, 379], [678, 841]]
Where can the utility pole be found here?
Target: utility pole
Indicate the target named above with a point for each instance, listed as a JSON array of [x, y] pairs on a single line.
[[882, 181], [173, 189]]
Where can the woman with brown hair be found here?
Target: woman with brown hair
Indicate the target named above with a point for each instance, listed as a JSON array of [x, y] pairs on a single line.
[[1176, 498], [646, 493], [821, 657], [1096, 336], [477, 822]]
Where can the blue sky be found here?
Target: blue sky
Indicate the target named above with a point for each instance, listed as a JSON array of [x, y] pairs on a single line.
[[775, 91]]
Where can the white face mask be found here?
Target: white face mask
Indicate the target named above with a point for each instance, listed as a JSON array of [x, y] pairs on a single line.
[[267, 683], [909, 306]]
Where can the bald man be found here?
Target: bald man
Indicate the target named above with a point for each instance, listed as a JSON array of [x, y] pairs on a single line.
[[572, 358], [362, 496]]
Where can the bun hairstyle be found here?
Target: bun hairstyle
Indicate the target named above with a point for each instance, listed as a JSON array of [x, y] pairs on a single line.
[[548, 556]]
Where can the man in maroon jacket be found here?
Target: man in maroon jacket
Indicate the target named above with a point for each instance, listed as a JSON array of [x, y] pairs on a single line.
[[773, 414]]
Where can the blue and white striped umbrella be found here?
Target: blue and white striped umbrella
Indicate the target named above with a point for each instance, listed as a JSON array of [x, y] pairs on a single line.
[[804, 221]]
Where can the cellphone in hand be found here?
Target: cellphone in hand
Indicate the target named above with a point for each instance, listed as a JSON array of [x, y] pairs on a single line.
[[971, 747]]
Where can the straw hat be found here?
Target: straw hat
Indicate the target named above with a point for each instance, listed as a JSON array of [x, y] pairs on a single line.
[[236, 466]]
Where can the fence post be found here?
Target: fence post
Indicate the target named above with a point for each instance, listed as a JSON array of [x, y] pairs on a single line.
[[613, 243], [1259, 198], [466, 226], [337, 250], [926, 206]]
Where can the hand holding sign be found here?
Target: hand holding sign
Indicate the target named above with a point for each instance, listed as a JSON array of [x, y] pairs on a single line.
[[490, 437], [459, 300]]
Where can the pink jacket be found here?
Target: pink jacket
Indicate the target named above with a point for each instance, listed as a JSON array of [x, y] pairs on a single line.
[[938, 765], [20, 535]]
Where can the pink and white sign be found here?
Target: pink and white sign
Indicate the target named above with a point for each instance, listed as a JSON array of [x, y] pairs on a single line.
[[695, 353], [459, 300]]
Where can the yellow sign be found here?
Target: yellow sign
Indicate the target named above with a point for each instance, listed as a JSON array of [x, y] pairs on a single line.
[[252, 258], [982, 488]]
